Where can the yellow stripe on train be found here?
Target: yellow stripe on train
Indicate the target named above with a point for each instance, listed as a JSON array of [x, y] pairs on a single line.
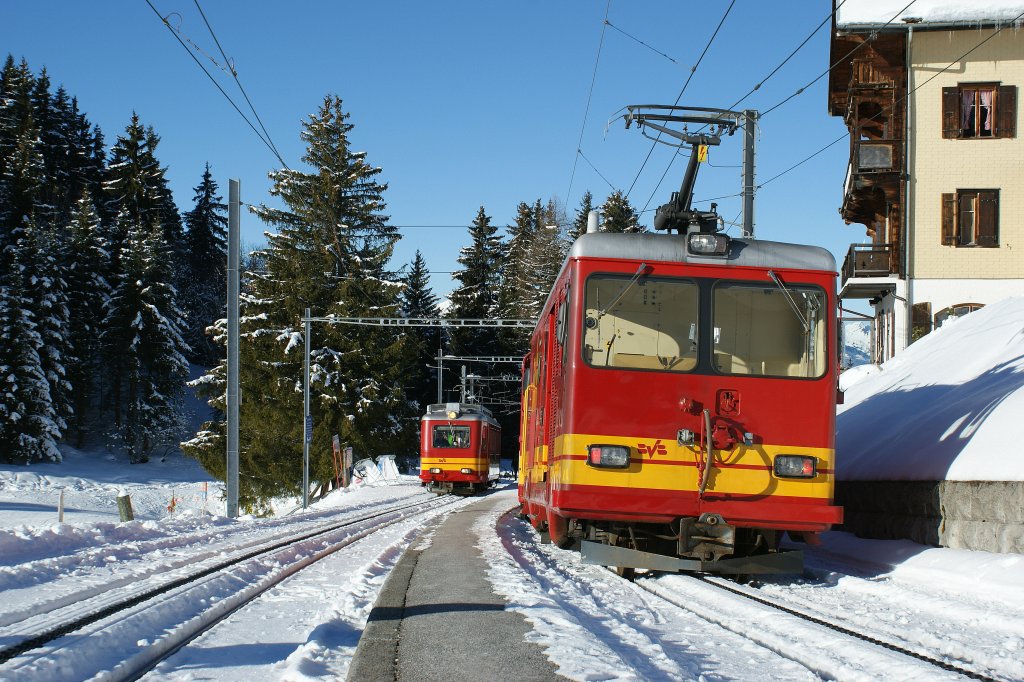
[[665, 465]]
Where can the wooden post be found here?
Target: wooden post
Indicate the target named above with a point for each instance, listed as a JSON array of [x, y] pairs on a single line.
[[60, 507], [124, 507]]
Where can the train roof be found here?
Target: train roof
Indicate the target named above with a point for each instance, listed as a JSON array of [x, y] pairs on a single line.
[[468, 411], [648, 246]]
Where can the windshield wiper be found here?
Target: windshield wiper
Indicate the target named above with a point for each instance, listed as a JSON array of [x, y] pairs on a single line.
[[792, 303], [639, 271]]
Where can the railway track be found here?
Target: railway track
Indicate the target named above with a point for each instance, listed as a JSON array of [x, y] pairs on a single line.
[[119, 617], [722, 617]]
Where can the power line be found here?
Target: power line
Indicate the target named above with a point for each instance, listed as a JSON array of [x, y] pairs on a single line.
[[839, 61], [586, 111], [234, 74], [643, 43], [846, 134], [580, 152], [693, 70], [798, 92], [214, 81]]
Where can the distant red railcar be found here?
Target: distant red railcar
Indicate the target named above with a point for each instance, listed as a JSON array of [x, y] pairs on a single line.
[[678, 405], [460, 448]]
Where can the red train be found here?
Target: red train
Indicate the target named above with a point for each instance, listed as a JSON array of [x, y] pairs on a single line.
[[678, 404], [460, 447]]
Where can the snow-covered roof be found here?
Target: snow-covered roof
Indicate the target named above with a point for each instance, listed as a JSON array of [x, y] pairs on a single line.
[[866, 13]]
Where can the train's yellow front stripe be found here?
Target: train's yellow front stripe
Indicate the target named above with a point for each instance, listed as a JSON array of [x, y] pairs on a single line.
[[665, 465]]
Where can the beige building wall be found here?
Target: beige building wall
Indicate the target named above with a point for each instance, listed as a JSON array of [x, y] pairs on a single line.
[[939, 165]]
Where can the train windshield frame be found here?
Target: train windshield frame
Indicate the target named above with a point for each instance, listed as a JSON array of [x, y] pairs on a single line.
[[450, 436], [705, 326], [770, 330], [647, 323]]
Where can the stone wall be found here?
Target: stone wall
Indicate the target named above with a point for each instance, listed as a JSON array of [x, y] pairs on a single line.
[[981, 515]]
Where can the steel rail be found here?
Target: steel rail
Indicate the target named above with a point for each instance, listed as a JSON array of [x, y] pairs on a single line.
[[890, 646], [40, 639]]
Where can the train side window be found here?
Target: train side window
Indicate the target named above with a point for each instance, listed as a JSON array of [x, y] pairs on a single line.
[[647, 324], [758, 331], [451, 436]]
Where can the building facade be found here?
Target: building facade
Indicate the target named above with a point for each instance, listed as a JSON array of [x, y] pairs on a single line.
[[936, 171]]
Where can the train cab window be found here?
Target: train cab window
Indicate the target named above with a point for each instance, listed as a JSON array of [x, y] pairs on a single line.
[[770, 330], [451, 437], [646, 323]]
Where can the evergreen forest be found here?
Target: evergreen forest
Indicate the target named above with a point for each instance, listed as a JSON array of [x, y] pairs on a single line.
[[112, 294]]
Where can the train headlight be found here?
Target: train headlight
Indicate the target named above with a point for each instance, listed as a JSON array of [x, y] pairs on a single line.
[[608, 456], [707, 244], [795, 466], [466, 471], [435, 470]]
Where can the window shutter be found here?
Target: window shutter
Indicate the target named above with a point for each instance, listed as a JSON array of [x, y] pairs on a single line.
[[1006, 111], [950, 113], [948, 219], [988, 218]]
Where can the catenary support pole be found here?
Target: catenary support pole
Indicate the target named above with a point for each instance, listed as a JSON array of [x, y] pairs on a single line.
[[749, 137], [231, 476], [307, 420]]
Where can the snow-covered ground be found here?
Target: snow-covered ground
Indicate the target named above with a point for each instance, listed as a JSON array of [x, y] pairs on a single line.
[[958, 390]]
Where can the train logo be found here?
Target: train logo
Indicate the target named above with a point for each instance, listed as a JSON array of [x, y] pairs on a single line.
[[657, 448]]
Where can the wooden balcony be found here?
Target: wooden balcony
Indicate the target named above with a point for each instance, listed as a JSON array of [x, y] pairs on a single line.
[[870, 260]]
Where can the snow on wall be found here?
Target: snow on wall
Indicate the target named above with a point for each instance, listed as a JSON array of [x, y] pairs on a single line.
[[947, 408], [877, 12]]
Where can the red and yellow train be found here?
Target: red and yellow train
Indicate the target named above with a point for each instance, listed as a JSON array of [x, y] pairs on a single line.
[[460, 448], [678, 404]]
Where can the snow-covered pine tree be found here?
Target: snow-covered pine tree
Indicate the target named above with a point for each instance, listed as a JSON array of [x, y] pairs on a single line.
[[28, 428], [85, 260], [202, 291], [142, 349], [618, 215], [479, 284], [419, 301], [146, 321], [330, 255]]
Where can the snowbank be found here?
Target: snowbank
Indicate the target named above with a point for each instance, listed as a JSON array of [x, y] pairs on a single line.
[[947, 408]]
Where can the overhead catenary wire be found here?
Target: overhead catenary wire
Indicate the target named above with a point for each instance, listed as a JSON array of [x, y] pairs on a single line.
[[234, 74], [800, 91], [935, 75], [213, 80], [632, 37], [693, 70], [586, 110]]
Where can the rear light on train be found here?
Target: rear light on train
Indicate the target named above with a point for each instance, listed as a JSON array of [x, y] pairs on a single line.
[[608, 456], [435, 470], [707, 244], [466, 471], [795, 466]]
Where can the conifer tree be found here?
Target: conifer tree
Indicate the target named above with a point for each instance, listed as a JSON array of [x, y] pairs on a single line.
[[143, 324], [28, 428], [202, 291], [85, 262], [419, 301], [579, 223], [479, 283], [142, 348], [329, 255], [618, 215]]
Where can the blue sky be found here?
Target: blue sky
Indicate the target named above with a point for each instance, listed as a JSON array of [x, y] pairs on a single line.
[[461, 104]]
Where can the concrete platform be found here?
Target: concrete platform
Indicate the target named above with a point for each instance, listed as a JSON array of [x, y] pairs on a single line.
[[436, 617]]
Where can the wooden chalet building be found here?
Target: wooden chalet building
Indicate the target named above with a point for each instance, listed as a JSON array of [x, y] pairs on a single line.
[[936, 172]]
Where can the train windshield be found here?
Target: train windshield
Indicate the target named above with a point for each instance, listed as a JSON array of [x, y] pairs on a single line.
[[451, 437], [644, 323], [770, 330]]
